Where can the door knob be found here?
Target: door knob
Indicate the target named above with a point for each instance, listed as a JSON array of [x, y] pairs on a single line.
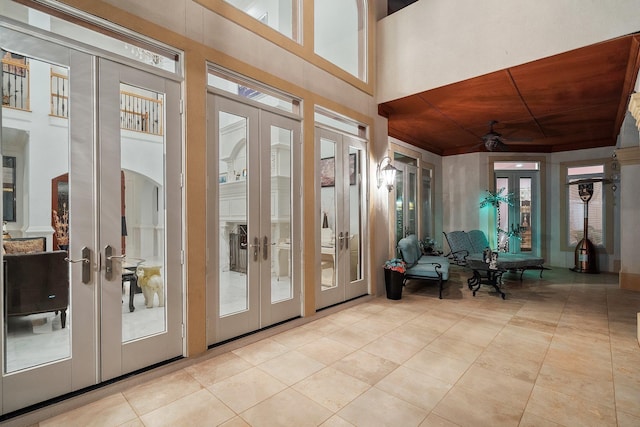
[[108, 265]]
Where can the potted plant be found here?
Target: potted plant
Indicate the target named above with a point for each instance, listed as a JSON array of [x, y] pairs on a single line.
[[394, 270], [428, 246]]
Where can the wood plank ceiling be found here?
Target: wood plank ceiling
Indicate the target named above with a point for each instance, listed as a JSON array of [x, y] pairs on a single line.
[[574, 100]]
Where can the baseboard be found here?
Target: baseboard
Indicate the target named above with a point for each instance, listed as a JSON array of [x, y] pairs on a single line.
[[630, 281]]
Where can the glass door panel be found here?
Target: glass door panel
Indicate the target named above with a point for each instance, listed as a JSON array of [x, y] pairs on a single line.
[[328, 208], [232, 214], [356, 194], [281, 148], [37, 309]]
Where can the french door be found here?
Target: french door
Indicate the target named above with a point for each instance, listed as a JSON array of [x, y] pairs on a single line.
[[253, 275], [342, 204], [519, 223], [92, 179]]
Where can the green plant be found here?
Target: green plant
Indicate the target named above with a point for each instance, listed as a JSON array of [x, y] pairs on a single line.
[[396, 264]]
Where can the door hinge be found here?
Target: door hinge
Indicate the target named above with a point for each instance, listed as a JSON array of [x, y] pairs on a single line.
[[181, 180], [182, 106], [183, 330], [181, 257]]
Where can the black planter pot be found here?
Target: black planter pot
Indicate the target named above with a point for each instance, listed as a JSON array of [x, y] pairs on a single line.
[[393, 281]]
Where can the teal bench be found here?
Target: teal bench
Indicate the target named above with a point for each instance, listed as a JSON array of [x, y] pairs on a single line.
[[422, 267]]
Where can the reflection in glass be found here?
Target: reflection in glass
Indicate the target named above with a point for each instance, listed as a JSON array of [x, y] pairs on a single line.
[[427, 213], [328, 206], [281, 260], [233, 284], [36, 314], [525, 215], [142, 212], [355, 212], [281, 15]]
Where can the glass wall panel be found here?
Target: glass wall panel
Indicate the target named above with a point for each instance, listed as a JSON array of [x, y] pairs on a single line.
[[340, 28], [281, 15]]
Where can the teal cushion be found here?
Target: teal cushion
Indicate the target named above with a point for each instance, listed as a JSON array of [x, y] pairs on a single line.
[[409, 251], [426, 267]]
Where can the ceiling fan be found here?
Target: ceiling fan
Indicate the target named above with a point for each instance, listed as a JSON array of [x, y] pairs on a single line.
[[494, 141]]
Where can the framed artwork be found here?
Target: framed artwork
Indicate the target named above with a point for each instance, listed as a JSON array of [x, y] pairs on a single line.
[[328, 168]]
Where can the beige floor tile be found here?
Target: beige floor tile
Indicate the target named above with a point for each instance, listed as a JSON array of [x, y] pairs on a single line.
[[419, 389], [326, 350], [332, 388], [455, 348], [355, 337], [198, 409], [365, 366], [297, 337], [534, 324], [627, 420], [479, 409], [287, 408], [336, 421], [444, 368], [511, 391], [434, 420], [110, 411], [246, 389], [576, 384], [291, 367], [218, 368], [378, 408], [133, 423], [592, 365], [627, 392], [505, 361], [236, 421], [391, 349], [569, 410], [162, 391], [323, 326], [261, 351], [532, 420], [417, 336]]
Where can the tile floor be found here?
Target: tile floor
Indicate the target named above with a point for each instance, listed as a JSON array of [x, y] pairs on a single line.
[[559, 351]]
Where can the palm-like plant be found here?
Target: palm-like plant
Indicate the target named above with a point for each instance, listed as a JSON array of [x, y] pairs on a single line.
[[494, 199]]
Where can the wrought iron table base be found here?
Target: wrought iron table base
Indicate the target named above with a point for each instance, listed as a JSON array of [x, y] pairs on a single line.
[[492, 278]]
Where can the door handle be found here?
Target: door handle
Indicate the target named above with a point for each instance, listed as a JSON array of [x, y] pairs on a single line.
[[256, 248], [108, 265], [86, 264], [341, 239], [346, 240], [265, 248]]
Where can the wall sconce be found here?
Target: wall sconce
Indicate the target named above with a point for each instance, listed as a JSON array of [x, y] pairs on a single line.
[[386, 173]]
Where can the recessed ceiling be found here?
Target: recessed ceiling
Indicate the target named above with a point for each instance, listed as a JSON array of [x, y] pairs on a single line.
[[570, 101]]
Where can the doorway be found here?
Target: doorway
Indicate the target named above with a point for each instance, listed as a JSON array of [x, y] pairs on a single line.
[[518, 223], [253, 273], [75, 327], [342, 203]]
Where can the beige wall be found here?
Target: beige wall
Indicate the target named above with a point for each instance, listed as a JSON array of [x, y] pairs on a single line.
[[432, 43]]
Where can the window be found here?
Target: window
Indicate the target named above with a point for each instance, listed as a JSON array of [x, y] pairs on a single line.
[[340, 34], [576, 208], [8, 188], [281, 15]]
